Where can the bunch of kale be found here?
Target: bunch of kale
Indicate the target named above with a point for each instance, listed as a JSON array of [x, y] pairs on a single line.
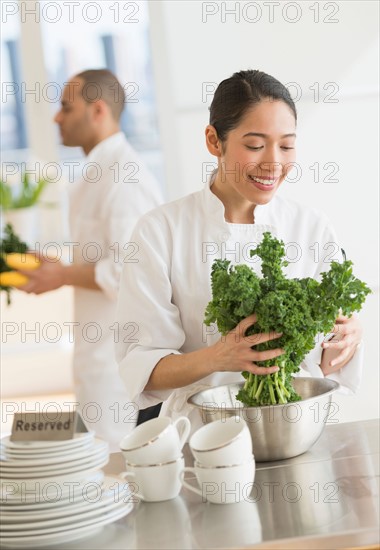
[[300, 309], [9, 243]]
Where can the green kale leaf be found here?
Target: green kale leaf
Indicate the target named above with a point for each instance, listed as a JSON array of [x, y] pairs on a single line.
[[9, 243]]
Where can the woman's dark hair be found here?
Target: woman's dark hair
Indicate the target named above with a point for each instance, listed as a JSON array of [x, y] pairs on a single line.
[[239, 93]]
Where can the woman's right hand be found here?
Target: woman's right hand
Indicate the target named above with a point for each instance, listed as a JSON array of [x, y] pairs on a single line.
[[234, 352]]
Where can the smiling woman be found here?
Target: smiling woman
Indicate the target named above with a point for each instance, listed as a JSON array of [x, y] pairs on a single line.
[[252, 135], [257, 117], [254, 164]]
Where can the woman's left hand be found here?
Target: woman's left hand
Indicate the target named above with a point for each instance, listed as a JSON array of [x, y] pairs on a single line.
[[341, 348]]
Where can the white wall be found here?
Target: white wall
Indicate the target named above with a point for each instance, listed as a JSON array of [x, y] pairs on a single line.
[[193, 50], [37, 343]]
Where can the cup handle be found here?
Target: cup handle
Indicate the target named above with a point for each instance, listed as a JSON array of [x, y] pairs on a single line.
[[185, 483], [183, 425], [125, 476]]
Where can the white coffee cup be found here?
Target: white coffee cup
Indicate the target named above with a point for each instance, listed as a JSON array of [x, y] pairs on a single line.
[[156, 441], [222, 442], [155, 482], [222, 484]]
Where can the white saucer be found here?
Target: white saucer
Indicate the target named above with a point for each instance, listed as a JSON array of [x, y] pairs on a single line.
[[48, 540], [54, 474], [45, 454], [64, 533], [52, 463], [51, 491], [78, 439], [112, 489], [7, 529]]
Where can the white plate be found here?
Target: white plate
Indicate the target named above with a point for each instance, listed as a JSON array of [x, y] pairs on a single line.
[[53, 475], [61, 533], [112, 489], [78, 439], [71, 520], [48, 540], [30, 454], [48, 471], [47, 505], [14, 493], [54, 461], [98, 447]]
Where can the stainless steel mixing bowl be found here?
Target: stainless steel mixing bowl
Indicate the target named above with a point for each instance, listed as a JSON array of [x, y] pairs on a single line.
[[278, 431]]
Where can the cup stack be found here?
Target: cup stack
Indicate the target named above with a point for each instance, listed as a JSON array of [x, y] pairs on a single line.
[[224, 463], [153, 457]]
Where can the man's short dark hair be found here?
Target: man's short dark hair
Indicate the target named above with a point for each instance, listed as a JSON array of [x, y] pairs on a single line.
[[103, 84]]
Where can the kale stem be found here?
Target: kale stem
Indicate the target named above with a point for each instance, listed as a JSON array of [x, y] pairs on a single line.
[[281, 398], [283, 389], [278, 384], [259, 389], [252, 385], [271, 391], [255, 384]]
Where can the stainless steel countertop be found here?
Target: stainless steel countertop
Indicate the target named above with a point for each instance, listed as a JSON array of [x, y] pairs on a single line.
[[325, 498]]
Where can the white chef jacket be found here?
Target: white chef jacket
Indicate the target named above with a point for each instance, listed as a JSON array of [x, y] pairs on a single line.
[[115, 190], [165, 294]]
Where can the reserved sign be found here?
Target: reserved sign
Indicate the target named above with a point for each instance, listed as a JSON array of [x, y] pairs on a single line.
[[45, 426]]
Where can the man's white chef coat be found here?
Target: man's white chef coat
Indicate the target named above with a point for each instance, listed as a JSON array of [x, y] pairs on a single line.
[[164, 295], [115, 190]]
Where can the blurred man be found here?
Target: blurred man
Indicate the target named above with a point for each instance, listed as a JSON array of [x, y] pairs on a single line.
[[114, 191]]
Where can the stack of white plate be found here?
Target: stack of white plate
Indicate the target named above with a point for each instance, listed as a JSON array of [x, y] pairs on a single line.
[[55, 491]]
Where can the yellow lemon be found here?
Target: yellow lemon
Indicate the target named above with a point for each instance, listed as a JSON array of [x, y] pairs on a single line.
[[29, 262], [12, 278]]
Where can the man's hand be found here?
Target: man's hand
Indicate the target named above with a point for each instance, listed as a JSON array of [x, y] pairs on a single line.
[[52, 274], [49, 276]]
